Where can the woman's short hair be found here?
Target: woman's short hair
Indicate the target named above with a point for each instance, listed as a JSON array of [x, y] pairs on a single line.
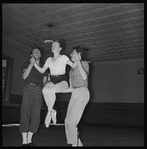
[[60, 41]]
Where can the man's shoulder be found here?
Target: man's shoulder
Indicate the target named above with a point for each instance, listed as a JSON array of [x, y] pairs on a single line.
[[63, 55], [85, 65], [85, 62]]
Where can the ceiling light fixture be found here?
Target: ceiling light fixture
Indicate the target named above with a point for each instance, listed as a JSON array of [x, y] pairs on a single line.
[[49, 40]]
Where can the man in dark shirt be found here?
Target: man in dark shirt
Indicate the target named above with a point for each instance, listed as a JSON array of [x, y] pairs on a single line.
[[32, 98]]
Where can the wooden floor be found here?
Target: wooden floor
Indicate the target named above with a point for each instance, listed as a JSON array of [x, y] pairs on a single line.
[[91, 135]]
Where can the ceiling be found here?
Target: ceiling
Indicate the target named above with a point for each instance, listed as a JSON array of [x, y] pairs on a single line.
[[112, 31]]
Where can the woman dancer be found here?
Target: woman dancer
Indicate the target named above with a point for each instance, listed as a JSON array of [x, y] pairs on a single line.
[[57, 65]]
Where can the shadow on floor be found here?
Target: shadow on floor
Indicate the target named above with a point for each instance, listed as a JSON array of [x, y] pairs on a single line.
[[90, 135]]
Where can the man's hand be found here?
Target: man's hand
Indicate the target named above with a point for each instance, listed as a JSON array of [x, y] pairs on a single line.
[[76, 63], [32, 60]]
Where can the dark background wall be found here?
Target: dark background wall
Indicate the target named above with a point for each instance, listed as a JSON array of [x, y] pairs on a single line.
[[108, 82], [117, 91]]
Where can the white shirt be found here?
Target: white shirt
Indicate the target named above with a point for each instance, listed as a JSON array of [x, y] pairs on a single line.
[[57, 67]]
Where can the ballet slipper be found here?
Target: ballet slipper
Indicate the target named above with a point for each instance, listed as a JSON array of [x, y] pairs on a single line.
[[48, 119], [53, 116]]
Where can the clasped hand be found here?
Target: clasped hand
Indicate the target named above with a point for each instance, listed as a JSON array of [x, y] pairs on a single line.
[[32, 60], [76, 63]]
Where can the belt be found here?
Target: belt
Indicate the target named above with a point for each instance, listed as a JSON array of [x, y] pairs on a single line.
[[57, 75], [78, 87], [37, 85]]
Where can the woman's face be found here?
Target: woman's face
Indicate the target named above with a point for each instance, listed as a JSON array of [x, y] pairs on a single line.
[[56, 47], [75, 56]]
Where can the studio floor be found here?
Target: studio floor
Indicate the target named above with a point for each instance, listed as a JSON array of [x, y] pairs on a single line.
[[91, 135]]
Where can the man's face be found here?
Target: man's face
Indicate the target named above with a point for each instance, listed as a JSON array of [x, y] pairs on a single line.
[[75, 56], [36, 53]]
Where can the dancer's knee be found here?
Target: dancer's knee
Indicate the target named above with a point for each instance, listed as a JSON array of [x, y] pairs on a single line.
[[45, 90], [67, 121]]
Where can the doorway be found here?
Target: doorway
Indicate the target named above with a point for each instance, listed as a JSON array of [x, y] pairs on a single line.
[[7, 73]]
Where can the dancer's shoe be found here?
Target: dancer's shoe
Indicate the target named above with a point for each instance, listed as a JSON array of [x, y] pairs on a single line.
[[48, 119], [79, 142], [54, 116]]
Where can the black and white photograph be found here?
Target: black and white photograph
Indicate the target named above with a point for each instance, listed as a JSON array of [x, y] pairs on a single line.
[[73, 75]]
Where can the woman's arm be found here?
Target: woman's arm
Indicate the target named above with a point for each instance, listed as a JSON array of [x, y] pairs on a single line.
[[70, 63], [41, 70]]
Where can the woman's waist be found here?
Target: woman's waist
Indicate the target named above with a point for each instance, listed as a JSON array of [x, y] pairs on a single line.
[[57, 72], [57, 75], [58, 78]]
